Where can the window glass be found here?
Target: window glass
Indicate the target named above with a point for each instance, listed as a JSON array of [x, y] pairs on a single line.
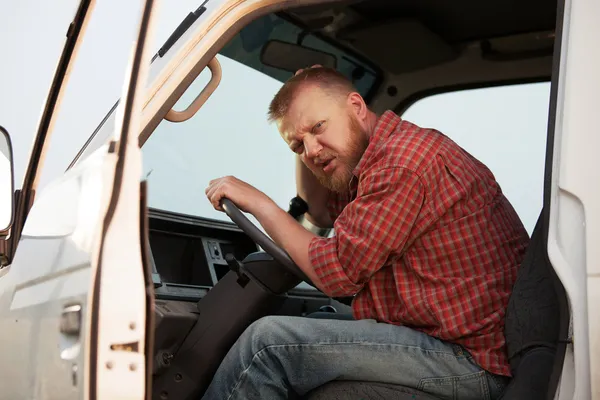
[[230, 134], [505, 128]]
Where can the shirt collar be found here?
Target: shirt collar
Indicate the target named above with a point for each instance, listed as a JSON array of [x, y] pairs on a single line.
[[385, 125]]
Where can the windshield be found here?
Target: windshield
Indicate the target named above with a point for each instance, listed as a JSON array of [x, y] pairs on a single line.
[[230, 134]]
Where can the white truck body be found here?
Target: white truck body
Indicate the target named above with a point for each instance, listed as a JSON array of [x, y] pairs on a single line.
[[76, 288]]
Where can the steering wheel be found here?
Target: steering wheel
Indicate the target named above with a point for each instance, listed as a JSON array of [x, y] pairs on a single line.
[[263, 240]]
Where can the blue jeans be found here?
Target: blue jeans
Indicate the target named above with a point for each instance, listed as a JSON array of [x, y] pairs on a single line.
[[278, 357]]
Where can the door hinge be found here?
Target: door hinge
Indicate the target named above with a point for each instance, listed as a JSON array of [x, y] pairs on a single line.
[[130, 347]]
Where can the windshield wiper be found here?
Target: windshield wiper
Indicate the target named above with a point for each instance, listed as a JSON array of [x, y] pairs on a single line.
[[181, 29]]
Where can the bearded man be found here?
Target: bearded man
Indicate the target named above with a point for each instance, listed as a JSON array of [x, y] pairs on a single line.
[[425, 241]]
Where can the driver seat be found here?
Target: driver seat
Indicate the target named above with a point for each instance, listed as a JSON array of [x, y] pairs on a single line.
[[532, 331]]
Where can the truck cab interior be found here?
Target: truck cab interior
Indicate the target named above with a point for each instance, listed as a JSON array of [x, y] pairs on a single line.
[[214, 277]]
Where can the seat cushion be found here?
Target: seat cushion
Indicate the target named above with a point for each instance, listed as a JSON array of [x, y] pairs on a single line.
[[532, 375], [351, 390]]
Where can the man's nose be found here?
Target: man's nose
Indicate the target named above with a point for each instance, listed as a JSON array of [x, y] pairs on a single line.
[[313, 148]]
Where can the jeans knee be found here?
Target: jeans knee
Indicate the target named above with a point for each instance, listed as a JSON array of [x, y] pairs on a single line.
[[268, 331]]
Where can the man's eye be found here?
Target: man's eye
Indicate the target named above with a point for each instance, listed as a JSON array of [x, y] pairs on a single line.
[[318, 126], [298, 149]]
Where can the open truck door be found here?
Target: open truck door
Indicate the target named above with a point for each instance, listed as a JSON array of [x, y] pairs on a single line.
[[74, 295]]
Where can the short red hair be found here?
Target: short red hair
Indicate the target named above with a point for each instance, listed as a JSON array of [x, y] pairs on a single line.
[[328, 79]]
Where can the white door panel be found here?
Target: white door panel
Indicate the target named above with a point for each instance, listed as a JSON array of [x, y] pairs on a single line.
[[121, 301], [73, 301], [52, 271], [574, 229]]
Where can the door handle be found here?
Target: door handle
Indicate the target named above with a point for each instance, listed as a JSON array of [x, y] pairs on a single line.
[[70, 332], [69, 338], [70, 320]]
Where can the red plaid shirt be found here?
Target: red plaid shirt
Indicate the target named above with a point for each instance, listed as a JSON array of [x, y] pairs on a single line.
[[426, 239]]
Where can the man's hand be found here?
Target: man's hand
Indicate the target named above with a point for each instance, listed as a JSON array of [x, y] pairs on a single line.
[[246, 197], [314, 194], [285, 231]]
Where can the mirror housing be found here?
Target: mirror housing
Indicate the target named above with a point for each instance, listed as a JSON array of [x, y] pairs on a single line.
[[7, 183], [292, 57]]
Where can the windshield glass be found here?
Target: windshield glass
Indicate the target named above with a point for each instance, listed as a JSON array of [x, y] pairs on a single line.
[[230, 134]]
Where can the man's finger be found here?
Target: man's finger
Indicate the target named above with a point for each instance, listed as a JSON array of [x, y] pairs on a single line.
[[215, 199], [211, 191]]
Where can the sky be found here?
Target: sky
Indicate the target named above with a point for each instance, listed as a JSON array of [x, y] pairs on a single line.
[[503, 127]]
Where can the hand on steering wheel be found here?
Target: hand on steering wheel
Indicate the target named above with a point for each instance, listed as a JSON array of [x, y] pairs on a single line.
[[262, 239]]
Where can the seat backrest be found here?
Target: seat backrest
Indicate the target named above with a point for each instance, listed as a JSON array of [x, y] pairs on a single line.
[[533, 323]]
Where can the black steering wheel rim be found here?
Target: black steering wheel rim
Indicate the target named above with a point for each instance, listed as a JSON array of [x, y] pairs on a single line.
[[238, 217]]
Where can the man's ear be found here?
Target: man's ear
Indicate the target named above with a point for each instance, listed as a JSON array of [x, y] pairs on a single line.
[[358, 106]]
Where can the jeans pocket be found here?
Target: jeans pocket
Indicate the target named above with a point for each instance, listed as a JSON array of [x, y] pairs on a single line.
[[458, 387]]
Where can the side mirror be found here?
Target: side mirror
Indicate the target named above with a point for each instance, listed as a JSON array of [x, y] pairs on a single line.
[[7, 184], [292, 57]]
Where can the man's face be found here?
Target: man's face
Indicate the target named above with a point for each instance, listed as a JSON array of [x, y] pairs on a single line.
[[327, 135]]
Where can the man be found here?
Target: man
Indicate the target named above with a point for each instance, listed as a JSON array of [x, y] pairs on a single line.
[[424, 239]]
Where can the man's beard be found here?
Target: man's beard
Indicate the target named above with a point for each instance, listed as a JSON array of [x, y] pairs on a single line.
[[339, 180]]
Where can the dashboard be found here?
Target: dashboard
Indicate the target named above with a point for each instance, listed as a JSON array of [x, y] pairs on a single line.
[[188, 254]]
